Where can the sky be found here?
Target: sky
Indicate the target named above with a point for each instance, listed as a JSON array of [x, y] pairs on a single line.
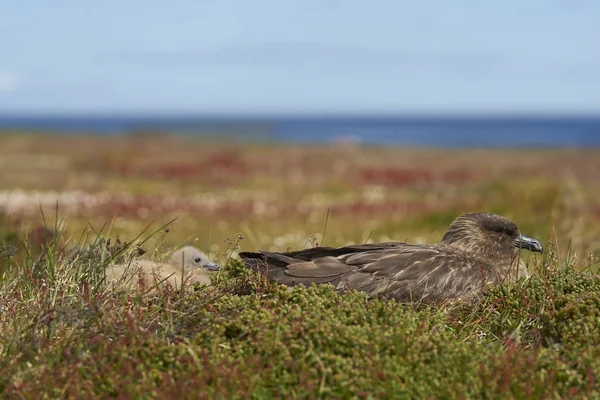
[[299, 57]]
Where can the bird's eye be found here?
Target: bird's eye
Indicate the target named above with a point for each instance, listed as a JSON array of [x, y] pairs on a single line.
[[197, 260], [498, 230]]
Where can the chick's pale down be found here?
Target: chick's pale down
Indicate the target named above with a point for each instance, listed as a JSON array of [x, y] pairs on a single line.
[[189, 264]]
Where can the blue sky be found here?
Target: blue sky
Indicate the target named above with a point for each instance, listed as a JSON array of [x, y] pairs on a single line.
[[267, 56]]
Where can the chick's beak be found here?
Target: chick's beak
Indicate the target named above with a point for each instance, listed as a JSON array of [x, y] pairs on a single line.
[[212, 266]]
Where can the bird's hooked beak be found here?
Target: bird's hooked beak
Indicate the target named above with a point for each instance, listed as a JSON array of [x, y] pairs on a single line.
[[531, 244], [212, 267]]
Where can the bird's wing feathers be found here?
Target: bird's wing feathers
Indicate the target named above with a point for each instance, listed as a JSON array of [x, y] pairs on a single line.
[[393, 270], [325, 267], [318, 252], [271, 263]]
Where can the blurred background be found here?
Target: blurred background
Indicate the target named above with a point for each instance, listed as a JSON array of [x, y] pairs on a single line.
[[295, 124]]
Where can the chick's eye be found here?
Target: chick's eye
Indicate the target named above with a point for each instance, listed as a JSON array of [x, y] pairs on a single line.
[[499, 230], [197, 260]]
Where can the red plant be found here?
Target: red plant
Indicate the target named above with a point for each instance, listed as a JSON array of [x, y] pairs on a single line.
[[405, 177]]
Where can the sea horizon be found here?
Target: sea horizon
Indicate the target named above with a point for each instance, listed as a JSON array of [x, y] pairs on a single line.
[[428, 130]]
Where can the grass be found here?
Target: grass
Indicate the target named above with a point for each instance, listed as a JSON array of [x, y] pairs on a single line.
[[65, 334]]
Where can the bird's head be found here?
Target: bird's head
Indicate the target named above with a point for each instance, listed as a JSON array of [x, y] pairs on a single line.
[[192, 258], [489, 237]]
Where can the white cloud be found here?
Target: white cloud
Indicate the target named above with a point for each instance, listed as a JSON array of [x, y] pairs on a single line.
[[8, 81]]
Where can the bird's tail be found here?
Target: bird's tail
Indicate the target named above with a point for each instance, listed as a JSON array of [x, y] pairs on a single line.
[[272, 265], [255, 261]]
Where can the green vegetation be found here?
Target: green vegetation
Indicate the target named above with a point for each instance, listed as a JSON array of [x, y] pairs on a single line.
[[65, 334]]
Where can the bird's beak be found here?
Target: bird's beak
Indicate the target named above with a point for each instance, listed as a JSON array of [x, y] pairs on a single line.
[[531, 244], [212, 267]]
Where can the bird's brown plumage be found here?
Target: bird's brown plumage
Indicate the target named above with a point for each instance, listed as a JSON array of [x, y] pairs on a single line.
[[476, 250]]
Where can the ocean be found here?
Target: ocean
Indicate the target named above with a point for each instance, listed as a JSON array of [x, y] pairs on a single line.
[[399, 131]]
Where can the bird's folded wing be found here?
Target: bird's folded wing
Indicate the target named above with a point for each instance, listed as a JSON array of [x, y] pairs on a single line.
[[408, 272], [324, 267], [318, 252]]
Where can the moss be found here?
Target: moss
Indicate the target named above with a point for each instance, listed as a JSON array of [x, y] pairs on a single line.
[[536, 338]]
